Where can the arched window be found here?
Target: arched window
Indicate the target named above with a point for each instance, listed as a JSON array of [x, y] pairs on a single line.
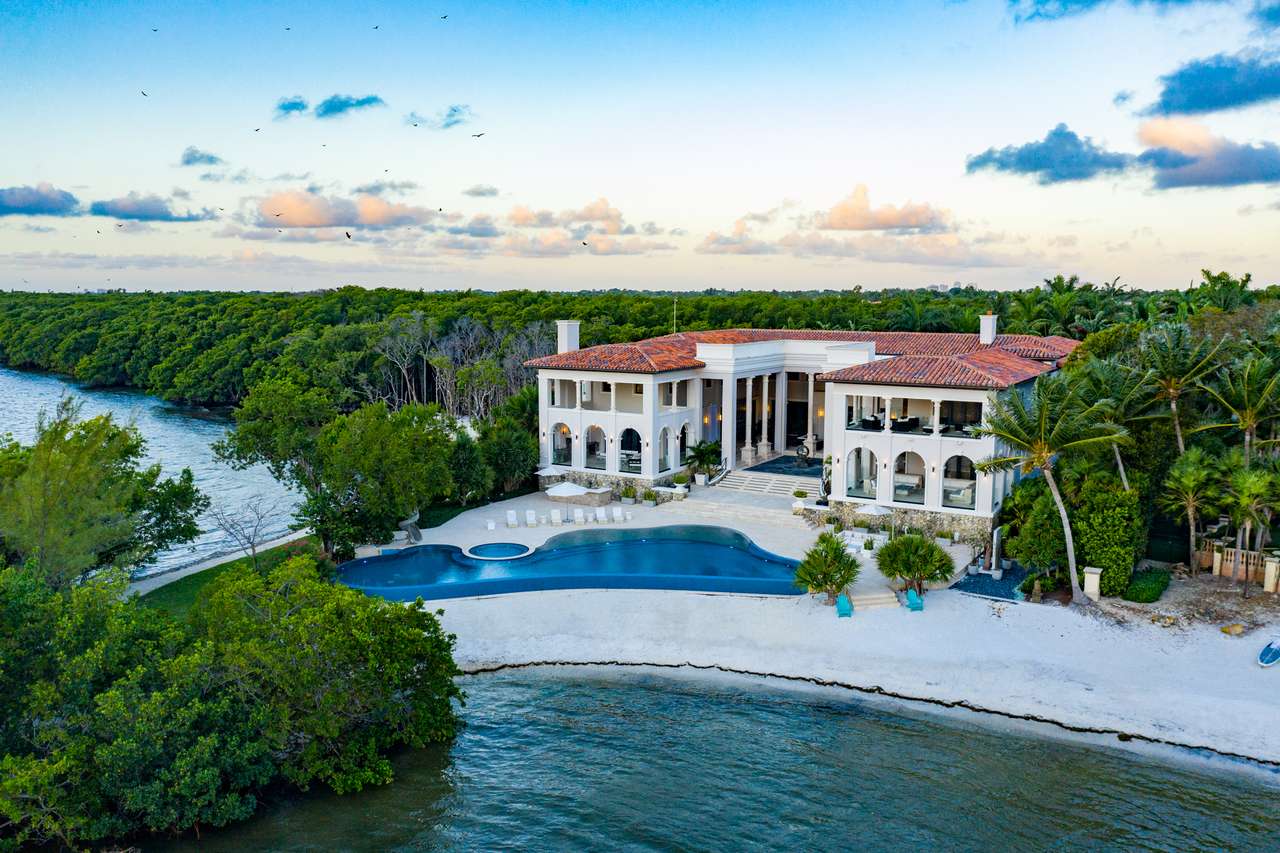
[[860, 474], [595, 446], [629, 452], [684, 444], [908, 478], [561, 445], [959, 483], [664, 450]]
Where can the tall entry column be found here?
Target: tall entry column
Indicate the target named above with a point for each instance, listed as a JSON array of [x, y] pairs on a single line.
[[810, 423], [729, 422], [764, 414], [780, 415], [748, 447]]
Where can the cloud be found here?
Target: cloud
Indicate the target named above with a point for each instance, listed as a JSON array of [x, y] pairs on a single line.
[[179, 192], [300, 209], [43, 199], [241, 177], [1219, 82], [452, 116], [546, 244], [193, 156], [1052, 10], [481, 191], [1122, 97], [384, 187], [598, 212], [739, 242], [338, 105], [1185, 154], [145, 208], [291, 105], [525, 217], [855, 213], [1266, 15], [482, 227], [605, 245], [938, 250], [291, 176], [1061, 156], [39, 229]]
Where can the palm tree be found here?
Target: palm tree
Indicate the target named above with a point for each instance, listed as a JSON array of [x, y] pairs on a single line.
[[827, 567], [1249, 391], [1178, 360], [1032, 434], [1190, 489], [1249, 494], [915, 561], [1123, 393]]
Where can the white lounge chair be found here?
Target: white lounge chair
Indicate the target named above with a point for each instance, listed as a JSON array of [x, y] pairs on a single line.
[[512, 521], [601, 516], [579, 517], [530, 518], [630, 515], [556, 518], [617, 515], [490, 525]]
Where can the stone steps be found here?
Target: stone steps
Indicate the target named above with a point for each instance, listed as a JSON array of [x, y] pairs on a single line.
[[782, 485], [714, 511]]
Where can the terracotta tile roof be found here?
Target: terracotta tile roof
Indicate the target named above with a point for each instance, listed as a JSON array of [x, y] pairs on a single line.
[[987, 369], [679, 351]]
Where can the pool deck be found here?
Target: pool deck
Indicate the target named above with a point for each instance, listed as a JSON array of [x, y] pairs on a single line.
[[765, 520]]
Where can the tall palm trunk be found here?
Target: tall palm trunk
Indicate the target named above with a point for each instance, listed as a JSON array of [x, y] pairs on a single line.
[[1124, 478], [1235, 567], [1077, 594], [1244, 581], [1191, 535], [1177, 427]]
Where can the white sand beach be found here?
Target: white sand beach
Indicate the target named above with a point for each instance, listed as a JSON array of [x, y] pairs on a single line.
[[1191, 687]]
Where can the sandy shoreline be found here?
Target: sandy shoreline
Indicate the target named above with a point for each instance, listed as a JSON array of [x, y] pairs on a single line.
[[1195, 687]]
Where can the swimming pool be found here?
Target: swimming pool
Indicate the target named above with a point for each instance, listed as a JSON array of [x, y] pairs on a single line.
[[687, 557]]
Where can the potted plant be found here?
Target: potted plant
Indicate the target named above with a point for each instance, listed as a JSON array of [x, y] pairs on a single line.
[[681, 482], [868, 544], [943, 538], [650, 497], [704, 458], [628, 494], [827, 567]]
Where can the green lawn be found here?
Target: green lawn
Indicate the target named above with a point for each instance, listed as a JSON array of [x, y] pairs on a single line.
[[177, 597]]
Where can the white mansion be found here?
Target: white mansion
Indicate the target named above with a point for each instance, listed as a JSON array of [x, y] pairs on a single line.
[[895, 411]]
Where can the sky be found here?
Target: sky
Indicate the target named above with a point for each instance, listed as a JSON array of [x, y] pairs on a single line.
[[660, 145]]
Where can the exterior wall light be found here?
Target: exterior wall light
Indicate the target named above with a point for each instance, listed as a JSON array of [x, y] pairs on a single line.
[[821, 413]]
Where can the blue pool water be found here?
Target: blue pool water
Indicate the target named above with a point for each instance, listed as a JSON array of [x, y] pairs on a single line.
[[499, 549], [689, 557]]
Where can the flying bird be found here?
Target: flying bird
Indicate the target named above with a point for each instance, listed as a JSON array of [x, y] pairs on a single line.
[[444, 17], [144, 94], [584, 242], [286, 29], [476, 135], [119, 224], [375, 26], [155, 29], [277, 214], [348, 233], [256, 129]]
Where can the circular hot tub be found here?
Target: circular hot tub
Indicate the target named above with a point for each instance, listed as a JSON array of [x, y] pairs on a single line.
[[498, 550]]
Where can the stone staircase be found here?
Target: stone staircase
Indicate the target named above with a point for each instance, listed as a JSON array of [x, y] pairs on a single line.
[[714, 512], [781, 485]]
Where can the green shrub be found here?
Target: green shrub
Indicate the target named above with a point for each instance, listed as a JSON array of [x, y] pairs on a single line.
[[915, 561], [1147, 586], [1049, 581], [680, 479], [868, 545], [1110, 533], [629, 491], [827, 567], [650, 495], [801, 494]]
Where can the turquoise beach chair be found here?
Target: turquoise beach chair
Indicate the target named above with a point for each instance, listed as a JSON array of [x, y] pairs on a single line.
[[914, 601], [844, 607]]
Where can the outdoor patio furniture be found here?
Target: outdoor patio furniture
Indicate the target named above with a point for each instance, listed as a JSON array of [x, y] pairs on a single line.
[[601, 516], [914, 601], [844, 607], [579, 517], [530, 518], [556, 518], [630, 515], [490, 525], [512, 521], [617, 515]]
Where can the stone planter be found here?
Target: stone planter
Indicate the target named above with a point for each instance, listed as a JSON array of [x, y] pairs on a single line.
[[682, 492], [943, 541], [650, 503], [700, 479], [797, 507], [628, 501]]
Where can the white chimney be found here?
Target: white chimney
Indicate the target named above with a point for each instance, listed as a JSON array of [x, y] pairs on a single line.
[[567, 335], [987, 329]]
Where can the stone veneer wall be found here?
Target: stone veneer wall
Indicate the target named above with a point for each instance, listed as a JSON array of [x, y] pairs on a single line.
[[613, 481], [973, 530]]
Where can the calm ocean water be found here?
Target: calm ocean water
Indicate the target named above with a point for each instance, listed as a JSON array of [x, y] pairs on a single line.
[[594, 760], [177, 437]]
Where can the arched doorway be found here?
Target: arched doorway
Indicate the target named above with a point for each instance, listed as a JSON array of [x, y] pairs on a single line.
[[664, 449], [959, 483], [629, 452], [860, 474], [595, 447], [684, 444], [908, 478], [561, 445]]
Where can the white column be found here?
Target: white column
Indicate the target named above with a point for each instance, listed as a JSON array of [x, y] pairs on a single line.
[[544, 423], [780, 414], [937, 416], [748, 445], [888, 411], [695, 402], [764, 412], [811, 421], [649, 434], [728, 422]]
